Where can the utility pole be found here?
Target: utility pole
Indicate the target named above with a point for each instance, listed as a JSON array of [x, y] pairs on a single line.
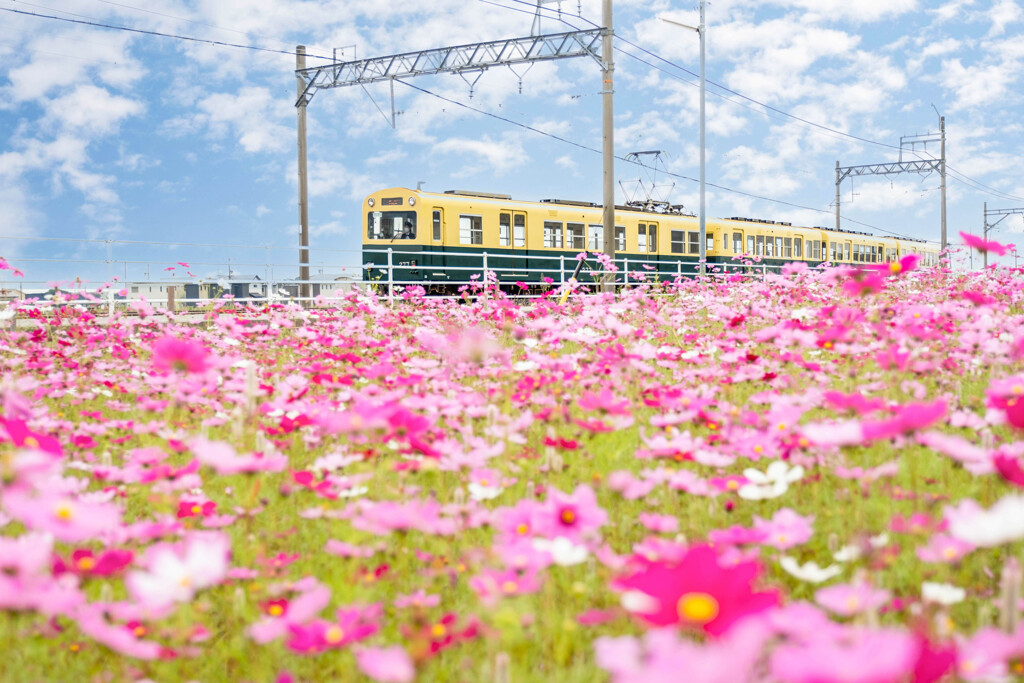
[[300, 64], [608, 127], [838, 180], [942, 175], [702, 32], [1002, 213]]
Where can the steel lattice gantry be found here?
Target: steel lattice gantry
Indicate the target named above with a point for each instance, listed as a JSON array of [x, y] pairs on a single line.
[[460, 58], [924, 166]]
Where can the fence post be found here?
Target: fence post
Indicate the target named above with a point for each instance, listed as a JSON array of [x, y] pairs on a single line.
[[485, 274], [561, 269], [391, 279], [110, 302], [170, 299], [679, 268]]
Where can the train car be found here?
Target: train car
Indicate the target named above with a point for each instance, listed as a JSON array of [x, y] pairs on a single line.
[[438, 240]]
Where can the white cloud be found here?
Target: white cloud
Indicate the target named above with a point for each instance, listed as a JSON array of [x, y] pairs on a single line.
[[1002, 14], [498, 156], [977, 85], [90, 110]]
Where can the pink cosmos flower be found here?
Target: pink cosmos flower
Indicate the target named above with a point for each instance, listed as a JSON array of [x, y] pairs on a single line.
[[698, 591], [352, 625], [22, 437], [312, 598], [386, 664], [171, 354], [576, 516], [943, 548], [604, 402], [84, 562], [983, 245], [848, 599], [786, 530], [223, 458], [908, 418], [119, 638], [494, 584], [660, 523]]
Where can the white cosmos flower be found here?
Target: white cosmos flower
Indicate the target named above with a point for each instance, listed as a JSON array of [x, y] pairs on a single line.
[[809, 572], [771, 483], [1000, 524], [175, 574], [563, 552], [942, 593], [480, 492], [848, 553]]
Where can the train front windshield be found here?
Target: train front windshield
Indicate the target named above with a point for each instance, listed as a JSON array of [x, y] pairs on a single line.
[[391, 225]]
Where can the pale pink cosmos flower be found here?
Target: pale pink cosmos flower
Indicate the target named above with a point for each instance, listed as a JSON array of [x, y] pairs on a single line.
[[93, 623], [223, 458], [386, 664], [943, 548], [174, 573], [313, 597], [659, 523], [418, 599], [1001, 524], [68, 519], [848, 599], [862, 656], [786, 529]]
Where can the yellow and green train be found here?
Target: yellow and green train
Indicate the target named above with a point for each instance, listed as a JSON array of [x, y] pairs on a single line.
[[439, 239]]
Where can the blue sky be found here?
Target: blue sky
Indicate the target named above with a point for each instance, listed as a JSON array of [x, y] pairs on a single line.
[[111, 141]]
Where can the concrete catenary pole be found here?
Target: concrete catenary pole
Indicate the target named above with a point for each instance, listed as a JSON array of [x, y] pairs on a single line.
[[703, 173], [837, 196], [300, 63], [608, 127], [942, 174]]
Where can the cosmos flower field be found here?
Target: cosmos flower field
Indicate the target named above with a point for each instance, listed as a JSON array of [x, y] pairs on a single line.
[[813, 477]]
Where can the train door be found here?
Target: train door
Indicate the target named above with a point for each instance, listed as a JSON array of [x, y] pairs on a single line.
[[521, 248], [433, 257]]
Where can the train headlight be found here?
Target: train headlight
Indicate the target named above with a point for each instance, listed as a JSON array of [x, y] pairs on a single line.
[[371, 201], [412, 201]]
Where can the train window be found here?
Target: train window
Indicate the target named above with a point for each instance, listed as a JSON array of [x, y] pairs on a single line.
[[391, 225], [437, 226], [737, 242], [750, 244], [620, 238], [797, 248], [693, 240], [760, 246], [519, 234], [778, 247], [709, 242], [846, 247], [553, 234], [787, 247], [652, 237], [504, 230], [677, 239], [725, 241], [641, 237], [471, 229], [577, 236], [768, 244], [595, 237]]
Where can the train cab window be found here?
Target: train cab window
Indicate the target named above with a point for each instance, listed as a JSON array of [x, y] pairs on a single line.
[[737, 242], [652, 237], [693, 242], [437, 226], [641, 237], [620, 238], [760, 246], [519, 230], [391, 225], [577, 236], [504, 230], [788, 247], [553, 234], [677, 240], [797, 248], [471, 229], [595, 237]]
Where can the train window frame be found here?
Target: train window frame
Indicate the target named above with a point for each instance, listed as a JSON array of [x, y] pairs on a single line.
[[554, 229], [759, 245], [751, 245], [769, 246], [692, 242], [576, 236], [652, 237], [725, 241], [737, 242], [504, 229], [519, 230], [595, 237], [474, 231], [787, 246], [677, 241], [620, 238], [436, 221], [778, 247], [709, 241], [404, 233], [641, 237], [798, 247], [846, 250]]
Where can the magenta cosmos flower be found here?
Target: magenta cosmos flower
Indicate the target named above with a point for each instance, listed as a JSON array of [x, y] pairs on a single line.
[[983, 245], [182, 355], [697, 591]]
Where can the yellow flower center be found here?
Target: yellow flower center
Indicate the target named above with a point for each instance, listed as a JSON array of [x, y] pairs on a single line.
[[522, 529], [196, 509], [949, 553], [64, 511], [86, 563], [895, 267], [483, 482], [334, 635], [438, 630], [758, 449], [510, 586], [275, 610], [31, 442], [732, 485], [853, 603], [139, 631], [567, 516], [697, 608]]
